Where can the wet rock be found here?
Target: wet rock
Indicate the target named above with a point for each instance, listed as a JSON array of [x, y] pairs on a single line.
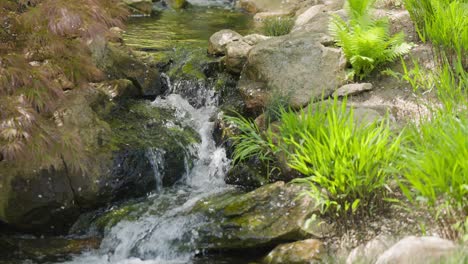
[[47, 197], [139, 7], [118, 89], [44, 249], [353, 89], [296, 66], [219, 40], [301, 252], [369, 252], [247, 174], [417, 250], [267, 216], [119, 62]]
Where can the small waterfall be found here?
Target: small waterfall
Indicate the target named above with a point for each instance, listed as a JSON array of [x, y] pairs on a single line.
[[165, 233], [156, 158]]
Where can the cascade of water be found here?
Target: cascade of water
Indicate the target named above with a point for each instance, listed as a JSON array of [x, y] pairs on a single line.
[[165, 234]]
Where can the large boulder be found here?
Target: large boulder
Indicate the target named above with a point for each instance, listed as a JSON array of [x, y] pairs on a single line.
[[267, 216], [296, 66]]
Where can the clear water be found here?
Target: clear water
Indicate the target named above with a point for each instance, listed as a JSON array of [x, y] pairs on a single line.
[[189, 28]]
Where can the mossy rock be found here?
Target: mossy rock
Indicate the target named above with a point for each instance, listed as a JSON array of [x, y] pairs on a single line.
[[44, 250], [265, 217]]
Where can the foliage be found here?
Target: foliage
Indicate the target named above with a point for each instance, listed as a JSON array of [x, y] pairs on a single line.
[[366, 41], [277, 26], [435, 169], [346, 162], [445, 24], [44, 52], [251, 142]]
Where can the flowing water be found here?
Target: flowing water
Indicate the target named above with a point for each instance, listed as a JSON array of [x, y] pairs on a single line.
[[165, 233]]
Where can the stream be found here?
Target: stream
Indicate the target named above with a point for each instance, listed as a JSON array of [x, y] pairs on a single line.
[[165, 231]]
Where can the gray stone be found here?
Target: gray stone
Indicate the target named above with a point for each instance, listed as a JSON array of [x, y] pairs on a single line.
[[417, 250], [308, 15], [353, 89], [369, 252], [254, 39], [236, 55], [296, 66], [219, 40]]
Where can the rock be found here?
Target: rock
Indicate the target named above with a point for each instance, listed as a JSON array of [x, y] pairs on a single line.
[[47, 196], [267, 216], [301, 252], [236, 55], [317, 20], [219, 40], [44, 249], [399, 20], [247, 174], [369, 252], [256, 6], [118, 89], [254, 39], [119, 62], [140, 7], [417, 250], [353, 89], [308, 15], [296, 66]]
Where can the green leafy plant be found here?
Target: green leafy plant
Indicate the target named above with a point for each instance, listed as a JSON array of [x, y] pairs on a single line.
[[346, 161], [366, 42], [251, 142], [435, 169], [277, 26], [444, 23]]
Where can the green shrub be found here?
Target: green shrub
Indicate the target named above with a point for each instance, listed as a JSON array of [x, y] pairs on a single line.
[[277, 26], [366, 42], [346, 161], [435, 168]]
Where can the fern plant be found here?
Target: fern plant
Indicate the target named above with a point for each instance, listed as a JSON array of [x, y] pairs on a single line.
[[366, 42]]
